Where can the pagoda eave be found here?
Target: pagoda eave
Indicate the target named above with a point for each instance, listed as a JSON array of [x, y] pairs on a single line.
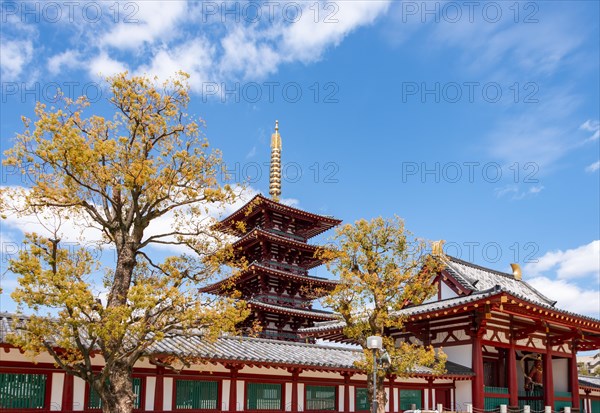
[[305, 314], [255, 269], [320, 223]]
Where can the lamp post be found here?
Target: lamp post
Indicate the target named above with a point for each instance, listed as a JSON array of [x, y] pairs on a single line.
[[374, 343]]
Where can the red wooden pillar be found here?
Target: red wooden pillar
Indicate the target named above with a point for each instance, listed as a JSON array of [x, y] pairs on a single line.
[[513, 387], [477, 365], [430, 394], [294, 402], [233, 374], [347, 391], [392, 379], [67, 396], [574, 379], [159, 389], [548, 378]]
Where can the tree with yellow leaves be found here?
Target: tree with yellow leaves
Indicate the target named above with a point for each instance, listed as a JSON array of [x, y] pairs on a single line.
[[382, 269], [119, 176]]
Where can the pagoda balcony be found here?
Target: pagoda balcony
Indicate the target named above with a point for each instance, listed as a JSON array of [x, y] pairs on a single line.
[[294, 269], [282, 300], [286, 234], [285, 336]]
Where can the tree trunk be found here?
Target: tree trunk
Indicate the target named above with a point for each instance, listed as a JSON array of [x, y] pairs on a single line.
[[117, 394], [381, 396]]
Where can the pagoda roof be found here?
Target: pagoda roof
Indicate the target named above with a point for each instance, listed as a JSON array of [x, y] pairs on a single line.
[[333, 330], [253, 269], [321, 223], [249, 351], [474, 278], [257, 233], [280, 309]]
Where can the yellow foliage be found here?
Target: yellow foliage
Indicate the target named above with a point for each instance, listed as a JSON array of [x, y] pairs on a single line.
[[119, 175], [382, 269]]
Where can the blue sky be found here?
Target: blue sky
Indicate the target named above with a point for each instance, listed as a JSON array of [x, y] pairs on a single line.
[[477, 122]]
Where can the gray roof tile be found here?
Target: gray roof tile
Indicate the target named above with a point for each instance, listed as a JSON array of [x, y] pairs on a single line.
[[476, 278], [258, 350], [590, 381]]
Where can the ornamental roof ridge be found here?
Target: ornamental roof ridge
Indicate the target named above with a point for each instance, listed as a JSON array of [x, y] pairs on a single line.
[[259, 198], [471, 283]]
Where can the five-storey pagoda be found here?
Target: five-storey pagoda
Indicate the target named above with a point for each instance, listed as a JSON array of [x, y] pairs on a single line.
[[273, 239]]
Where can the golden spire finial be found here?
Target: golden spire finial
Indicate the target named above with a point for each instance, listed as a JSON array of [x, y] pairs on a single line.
[[275, 173]]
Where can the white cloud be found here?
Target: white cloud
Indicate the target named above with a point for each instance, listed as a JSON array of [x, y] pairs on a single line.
[[515, 192], [104, 65], [487, 44], [247, 53], [194, 57], [307, 39], [593, 167], [542, 133], [154, 21], [591, 126], [69, 60], [16, 54], [251, 153], [569, 296], [580, 262], [168, 36]]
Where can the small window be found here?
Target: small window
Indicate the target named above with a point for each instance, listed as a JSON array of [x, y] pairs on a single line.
[[320, 397], [410, 397], [196, 394], [96, 403], [22, 391], [263, 396], [361, 399]]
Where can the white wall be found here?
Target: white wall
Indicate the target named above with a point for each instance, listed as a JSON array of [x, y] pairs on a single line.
[[300, 397], [241, 398], [351, 392], [560, 374], [447, 292], [58, 380], [288, 397], [341, 397], [150, 390], [168, 394], [78, 393], [463, 395], [387, 396], [225, 392], [460, 354]]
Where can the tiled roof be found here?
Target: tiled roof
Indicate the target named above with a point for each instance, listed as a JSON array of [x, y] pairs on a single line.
[[264, 351], [590, 381], [321, 222], [450, 303], [322, 315], [409, 311], [255, 265], [476, 278]]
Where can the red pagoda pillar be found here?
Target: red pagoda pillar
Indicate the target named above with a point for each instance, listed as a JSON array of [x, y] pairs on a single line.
[[477, 364], [513, 387], [67, 396], [346, 407], [159, 389], [574, 379], [233, 373], [548, 378]]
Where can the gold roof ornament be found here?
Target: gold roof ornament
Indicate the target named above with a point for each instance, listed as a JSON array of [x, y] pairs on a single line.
[[275, 172], [516, 269], [437, 248]]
